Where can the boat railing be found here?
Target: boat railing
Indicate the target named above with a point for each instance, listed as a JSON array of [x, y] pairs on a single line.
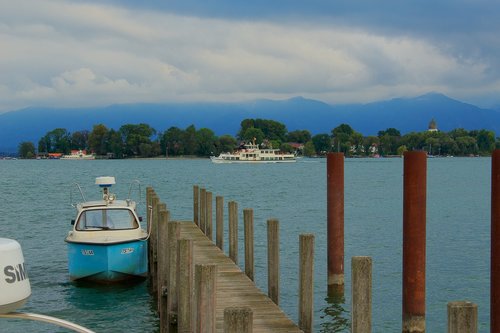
[[74, 203], [137, 184]]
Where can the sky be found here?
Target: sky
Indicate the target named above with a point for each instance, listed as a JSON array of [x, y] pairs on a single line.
[[56, 53]]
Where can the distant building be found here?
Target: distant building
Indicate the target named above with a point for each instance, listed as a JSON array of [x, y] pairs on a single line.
[[433, 126]]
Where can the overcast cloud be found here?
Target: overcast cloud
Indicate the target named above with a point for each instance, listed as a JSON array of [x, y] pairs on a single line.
[[94, 53]]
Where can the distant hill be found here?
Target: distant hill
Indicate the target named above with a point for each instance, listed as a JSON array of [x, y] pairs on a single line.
[[405, 114]]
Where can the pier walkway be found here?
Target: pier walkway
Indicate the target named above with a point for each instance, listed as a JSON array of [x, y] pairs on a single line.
[[234, 288]]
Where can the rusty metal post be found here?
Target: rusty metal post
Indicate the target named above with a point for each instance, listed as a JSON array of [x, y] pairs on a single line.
[[335, 226], [414, 220], [495, 243]]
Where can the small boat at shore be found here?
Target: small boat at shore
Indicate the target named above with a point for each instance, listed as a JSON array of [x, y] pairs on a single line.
[[252, 153], [107, 243], [78, 155]]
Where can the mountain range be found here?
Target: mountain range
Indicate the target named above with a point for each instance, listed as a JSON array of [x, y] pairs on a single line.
[[298, 113]]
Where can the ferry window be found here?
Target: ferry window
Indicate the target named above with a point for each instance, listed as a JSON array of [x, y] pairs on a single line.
[[106, 219]]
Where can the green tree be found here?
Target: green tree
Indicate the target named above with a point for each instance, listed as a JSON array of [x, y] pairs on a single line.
[[136, 135], [115, 144], [390, 140], [253, 133], [80, 140], [190, 142], [56, 141], [485, 141], [26, 149], [370, 145], [172, 141], [466, 145], [286, 147], [206, 142], [347, 140], [299, 136], [309, 149], [226, 143], [401, 150], [98, 139], [271, 129], [322, 143]]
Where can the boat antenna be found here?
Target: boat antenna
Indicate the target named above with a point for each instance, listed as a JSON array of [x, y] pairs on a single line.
[[105, 183]]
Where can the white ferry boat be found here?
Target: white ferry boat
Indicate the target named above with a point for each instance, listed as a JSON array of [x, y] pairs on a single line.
[[251, 153], [78, 155]]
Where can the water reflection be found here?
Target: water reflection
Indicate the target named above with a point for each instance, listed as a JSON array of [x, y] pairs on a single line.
[[335, 317]]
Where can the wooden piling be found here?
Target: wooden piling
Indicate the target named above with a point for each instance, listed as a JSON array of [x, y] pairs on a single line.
[[361, 275], [205, 285], [414, 231], [249, 242], [462, 317], [238, 320], [196, 205], [203, 210], [335, 225], [273, 260], [149, 206], [209, 213], [233, 231], [495, 243], [219, 222], [306, 282], [163, 262], [185, 285], [149, 194], [173, 297], [153, 240]]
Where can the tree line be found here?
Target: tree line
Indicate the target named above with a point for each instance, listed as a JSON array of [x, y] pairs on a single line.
[[141, 140]]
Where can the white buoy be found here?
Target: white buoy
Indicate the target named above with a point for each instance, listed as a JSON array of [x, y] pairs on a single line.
[[14, 281]]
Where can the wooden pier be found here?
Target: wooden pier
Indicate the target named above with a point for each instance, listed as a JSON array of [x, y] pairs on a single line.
[[198, 288], [234, 288]]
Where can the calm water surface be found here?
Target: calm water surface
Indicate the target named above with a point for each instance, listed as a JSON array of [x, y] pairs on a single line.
[[35, 210]]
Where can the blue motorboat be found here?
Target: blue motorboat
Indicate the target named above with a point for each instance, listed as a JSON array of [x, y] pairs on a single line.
[[107, 243]]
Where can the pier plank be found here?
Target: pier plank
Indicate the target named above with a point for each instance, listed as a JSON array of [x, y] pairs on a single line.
[[234, 288]]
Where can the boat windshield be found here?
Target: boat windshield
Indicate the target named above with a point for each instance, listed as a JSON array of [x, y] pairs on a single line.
[[106, 219]]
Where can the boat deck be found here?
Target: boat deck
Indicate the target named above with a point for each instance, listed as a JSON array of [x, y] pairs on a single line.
[[234, 288]]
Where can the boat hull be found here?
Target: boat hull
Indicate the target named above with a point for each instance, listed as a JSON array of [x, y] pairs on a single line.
[[107, 262]]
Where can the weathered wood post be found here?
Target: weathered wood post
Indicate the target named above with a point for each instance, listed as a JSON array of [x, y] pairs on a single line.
[[462, 317], [203, 210], [162, 268], [149, 194], [335, 225], [249, 242], [219, 222], [361, 314], [414, 230], [209, 213], [153, 240], [149, 205], [233, 231], [206, 287], [238, 320], [196, 205], [185, 286], [174, 231], [273, 260], [306, 282], [495, 243]]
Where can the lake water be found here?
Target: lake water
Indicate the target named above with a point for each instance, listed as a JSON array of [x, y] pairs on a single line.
[[35, 210]]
